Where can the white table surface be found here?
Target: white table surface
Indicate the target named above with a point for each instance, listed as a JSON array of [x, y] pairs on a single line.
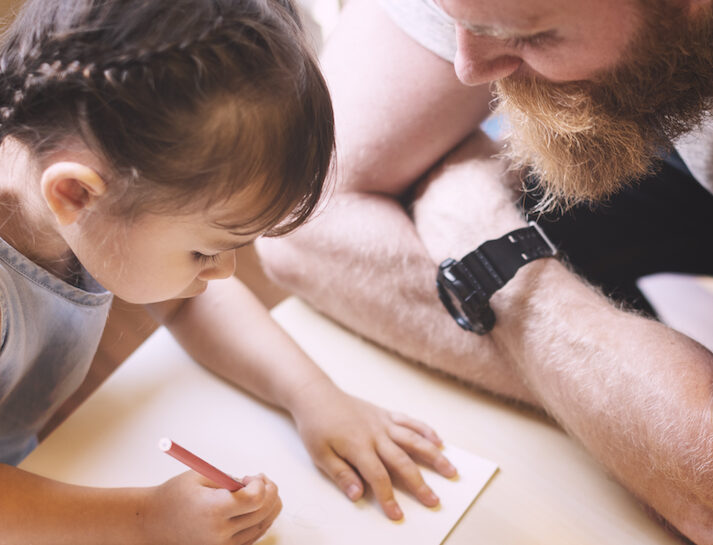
[[547, 490]]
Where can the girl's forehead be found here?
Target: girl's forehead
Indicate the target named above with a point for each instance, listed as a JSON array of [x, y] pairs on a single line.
[[231, 222], [195, 228]]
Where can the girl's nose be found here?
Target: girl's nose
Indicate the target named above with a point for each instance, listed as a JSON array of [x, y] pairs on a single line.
[[222, 266]]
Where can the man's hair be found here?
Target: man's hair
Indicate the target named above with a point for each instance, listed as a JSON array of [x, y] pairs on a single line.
[[188, 102]]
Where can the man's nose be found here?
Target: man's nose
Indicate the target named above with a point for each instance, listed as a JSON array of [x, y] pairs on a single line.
[[482, 59], [222, 267]]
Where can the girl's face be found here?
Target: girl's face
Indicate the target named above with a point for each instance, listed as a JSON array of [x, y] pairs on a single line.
[[156, 257], [151, 258]]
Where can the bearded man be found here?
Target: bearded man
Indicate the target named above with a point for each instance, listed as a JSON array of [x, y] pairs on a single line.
[[607, 109]]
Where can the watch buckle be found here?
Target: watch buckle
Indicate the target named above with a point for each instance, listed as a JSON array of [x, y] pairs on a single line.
[[544, 237]]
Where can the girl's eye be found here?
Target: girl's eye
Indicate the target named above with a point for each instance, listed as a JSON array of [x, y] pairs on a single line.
[[204, 259]]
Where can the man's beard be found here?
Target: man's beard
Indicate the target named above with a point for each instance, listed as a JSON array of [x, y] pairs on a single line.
[[585, 140]]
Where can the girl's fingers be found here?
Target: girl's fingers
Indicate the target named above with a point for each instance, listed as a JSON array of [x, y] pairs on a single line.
[[400, 464], [250, 499], [416, 425], [253, 525], [253, 533], [371, 468], [422, 449], [341, 473]]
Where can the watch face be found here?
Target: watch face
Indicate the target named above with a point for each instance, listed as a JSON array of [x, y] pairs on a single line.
[[465, 286], [452, 304], [461, 300]]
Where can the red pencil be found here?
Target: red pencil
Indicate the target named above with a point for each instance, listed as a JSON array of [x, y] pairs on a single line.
[[199, 465]]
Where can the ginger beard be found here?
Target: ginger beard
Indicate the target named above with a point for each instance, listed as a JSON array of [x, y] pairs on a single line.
[[585, 140]]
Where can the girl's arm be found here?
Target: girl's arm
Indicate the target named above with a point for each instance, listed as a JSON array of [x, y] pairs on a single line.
[[229, 331], [185, 510]]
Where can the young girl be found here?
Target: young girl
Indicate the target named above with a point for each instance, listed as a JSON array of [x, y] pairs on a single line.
[[141, 143]]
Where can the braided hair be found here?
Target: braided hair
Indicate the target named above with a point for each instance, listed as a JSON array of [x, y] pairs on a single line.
[[187, 101]]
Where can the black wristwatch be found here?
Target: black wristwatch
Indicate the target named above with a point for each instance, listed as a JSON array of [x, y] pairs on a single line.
[[465, 286]]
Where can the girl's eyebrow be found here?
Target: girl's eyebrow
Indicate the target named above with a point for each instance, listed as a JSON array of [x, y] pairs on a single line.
[[226, 246]]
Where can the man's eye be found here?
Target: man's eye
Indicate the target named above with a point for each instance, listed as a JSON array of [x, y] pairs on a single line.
[[537, 40]]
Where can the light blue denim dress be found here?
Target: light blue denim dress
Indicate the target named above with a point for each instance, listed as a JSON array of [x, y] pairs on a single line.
[[50, 332]]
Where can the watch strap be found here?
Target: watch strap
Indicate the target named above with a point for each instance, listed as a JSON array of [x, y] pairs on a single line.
[[491, 265]]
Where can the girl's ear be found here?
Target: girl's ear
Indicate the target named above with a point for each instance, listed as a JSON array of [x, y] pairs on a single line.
[[68, 188]]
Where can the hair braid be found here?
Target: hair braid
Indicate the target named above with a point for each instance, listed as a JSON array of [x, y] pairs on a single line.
[[39, 70], [171, 94]]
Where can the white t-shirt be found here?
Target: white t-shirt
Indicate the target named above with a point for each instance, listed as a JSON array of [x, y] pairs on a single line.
[[428, 25]]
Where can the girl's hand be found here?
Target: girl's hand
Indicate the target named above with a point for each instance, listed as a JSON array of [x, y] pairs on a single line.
[[189, 509], [346, 435]]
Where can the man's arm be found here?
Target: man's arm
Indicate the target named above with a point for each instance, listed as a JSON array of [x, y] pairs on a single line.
[[399, 108], [637, 394]]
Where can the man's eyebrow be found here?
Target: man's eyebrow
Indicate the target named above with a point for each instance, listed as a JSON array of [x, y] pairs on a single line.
[[482, 30], [526, 26], [497, 32]]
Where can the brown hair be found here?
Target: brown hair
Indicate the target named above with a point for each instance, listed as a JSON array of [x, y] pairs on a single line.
[[188, 101]]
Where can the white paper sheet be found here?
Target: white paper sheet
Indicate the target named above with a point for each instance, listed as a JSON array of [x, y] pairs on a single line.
[[112, 441]]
